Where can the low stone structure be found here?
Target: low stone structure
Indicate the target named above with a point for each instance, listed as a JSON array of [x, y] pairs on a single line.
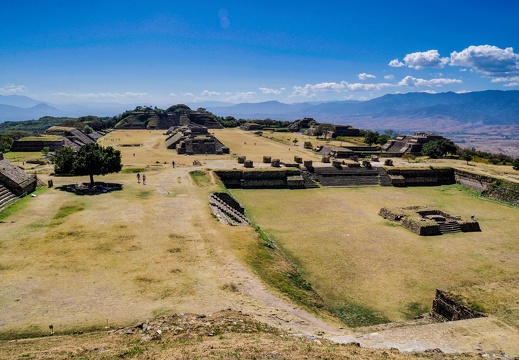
[[14, 182], [428, 222], [408, 144], [55, 138], [261, 179], [421, 176], [340, 175], [195, 139], [267, 159], [251, 127], [446, 307]]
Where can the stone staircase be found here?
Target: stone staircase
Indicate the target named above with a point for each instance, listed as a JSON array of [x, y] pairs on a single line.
[[309, 183], [449, 227], [227, 214], [6, 197], [384, 179]]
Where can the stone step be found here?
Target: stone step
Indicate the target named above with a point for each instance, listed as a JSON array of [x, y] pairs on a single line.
[[449, 227], [229, 212]]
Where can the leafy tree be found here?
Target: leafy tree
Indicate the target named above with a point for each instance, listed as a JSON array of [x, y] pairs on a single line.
[[371, 137], [5, 143], [323, 129], [64, 161], [439, 148], [467, 157], [515, 164], [91, 159], [295, 141]]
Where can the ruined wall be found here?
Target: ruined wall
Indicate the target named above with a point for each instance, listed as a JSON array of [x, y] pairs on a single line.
[[256, 179], [503, 191], [34, 146], [473, 181], [469, 226], [497, 189], [447, 307], [424, 177], [230, 201]]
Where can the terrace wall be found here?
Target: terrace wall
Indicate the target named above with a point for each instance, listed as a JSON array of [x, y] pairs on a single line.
[[256, 179], [447, 307]]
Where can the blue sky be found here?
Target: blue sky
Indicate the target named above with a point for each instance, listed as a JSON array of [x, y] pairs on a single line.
[[167, 52]]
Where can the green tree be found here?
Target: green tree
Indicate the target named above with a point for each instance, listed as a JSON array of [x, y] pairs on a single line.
[[64, 161], [5, 143], [371, 137], [467, 157], [323, 129], [439, 148], [515, 164], [91, 159]]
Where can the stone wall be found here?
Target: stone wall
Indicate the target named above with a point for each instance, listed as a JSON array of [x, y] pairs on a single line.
[[497, 189], [503, 191], [473, 181], [423, 177], [256, 179], [35, 146], [230, 201], [447, 307]]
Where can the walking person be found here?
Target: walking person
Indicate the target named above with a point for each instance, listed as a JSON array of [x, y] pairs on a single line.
[[143, 179], [138, 178]]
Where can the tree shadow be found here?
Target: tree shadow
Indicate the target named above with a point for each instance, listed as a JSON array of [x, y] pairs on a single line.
[[85, 188]]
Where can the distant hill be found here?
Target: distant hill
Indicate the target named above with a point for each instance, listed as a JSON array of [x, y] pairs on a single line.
[[411, 111], [443, 112]]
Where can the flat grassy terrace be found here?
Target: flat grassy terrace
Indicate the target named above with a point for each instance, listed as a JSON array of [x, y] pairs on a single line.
[[370, 270]]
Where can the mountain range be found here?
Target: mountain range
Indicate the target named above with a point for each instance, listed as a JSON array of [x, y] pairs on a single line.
[[441, 112]]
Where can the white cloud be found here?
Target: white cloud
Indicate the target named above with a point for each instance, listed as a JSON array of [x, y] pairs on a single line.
[[11, 89], [188, 94], [420, 60], [364, 76], [396, 63], [488, 60], [241, 96], [210, 93], [173, 94], [265, 90], [389, 77], [105, 95], [505, 79], [310, 90], [515, 83], [414, 82]]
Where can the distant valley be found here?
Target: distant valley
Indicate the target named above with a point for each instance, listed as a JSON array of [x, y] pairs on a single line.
[[487, 120]]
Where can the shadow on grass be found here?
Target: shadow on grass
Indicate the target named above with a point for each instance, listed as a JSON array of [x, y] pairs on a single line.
[[85, 188]]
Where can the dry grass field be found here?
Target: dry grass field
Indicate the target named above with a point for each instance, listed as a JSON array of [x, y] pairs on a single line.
[[360, 262], [85, 262]]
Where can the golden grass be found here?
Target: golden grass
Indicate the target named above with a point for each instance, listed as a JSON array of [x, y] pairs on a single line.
[[352, 256]]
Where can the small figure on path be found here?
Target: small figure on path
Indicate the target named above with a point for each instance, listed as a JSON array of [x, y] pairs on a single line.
[[472, 217], [173, 163], [143, 179], [138, 178]]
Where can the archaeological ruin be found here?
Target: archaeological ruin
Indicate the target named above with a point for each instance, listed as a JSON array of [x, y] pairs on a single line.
[[55, 138], [14, 182], [408, 144], [428, 222], [194, 139]]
